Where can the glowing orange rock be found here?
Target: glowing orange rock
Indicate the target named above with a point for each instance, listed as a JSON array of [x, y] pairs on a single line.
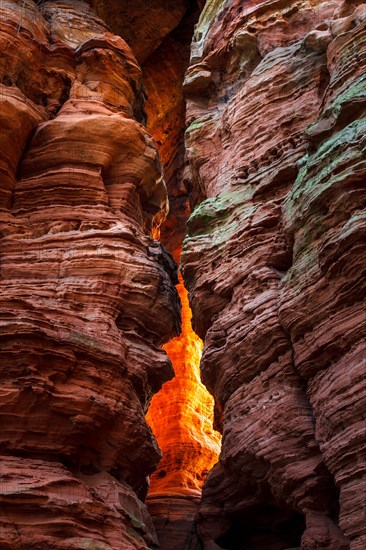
[[181, 416]]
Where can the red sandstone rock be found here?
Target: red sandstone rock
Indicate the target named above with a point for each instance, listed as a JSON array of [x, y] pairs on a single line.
[[324, 218], [48, 506], [173, 517], [181, 417], [273, 263], [142, 24], [163, 76], [87, 296]]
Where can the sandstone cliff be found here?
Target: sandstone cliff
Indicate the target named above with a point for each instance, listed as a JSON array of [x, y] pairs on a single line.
[[274, 263], [92, 120], [87, 296]]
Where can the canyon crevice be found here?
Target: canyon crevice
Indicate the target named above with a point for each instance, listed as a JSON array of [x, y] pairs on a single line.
[[183, 178]]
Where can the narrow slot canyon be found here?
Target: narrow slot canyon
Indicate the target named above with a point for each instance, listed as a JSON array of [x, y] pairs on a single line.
[[182, 270], [181, 417], [181, 414]]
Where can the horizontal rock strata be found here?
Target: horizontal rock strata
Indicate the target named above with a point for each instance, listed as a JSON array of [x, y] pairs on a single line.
[[87, 296], [274, 264]]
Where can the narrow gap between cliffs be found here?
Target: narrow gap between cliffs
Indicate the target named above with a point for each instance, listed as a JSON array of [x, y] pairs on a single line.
[[181, 414]]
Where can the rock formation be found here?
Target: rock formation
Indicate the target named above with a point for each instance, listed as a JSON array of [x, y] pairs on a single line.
[[181, 416], [274, 263], [143, 24], [268, 160], [87, 296]]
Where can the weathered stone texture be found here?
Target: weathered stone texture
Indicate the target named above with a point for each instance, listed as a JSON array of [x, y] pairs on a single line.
[[143, 24], [181, 414], [274, 263], [87, 296]]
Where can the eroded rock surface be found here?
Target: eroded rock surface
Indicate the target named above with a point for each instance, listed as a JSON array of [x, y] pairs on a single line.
[[274, 263], [181, 417], [143, 24], [87, 296]]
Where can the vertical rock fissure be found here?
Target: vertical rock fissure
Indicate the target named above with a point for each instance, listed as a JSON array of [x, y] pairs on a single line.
[[181, 414]]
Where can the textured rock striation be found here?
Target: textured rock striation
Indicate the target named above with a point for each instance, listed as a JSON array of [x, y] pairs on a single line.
[[274, 264], [144, 25], [163, 76], [87, 296]]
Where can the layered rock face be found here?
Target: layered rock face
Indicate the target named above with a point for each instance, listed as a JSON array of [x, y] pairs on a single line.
[[87, 296], [274, 263]]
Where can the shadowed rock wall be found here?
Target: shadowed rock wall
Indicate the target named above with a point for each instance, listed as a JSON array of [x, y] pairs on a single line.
[[274, 264]]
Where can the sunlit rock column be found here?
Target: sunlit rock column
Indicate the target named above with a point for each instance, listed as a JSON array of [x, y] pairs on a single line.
[[181, 414], [181, 417]]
